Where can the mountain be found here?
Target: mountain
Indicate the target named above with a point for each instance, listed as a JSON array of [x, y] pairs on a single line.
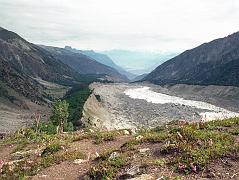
[[103, 59], [138, 62], [213, 63], [139, 78], [22, 64], [33, 61], [84, 64], [20, 83]]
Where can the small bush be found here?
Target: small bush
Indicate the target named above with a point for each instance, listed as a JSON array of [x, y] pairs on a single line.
[[50, 149], [68, 127], [154, 136], [129, 145], [106, 167], [192, 147], [104, 136], [48, 127]]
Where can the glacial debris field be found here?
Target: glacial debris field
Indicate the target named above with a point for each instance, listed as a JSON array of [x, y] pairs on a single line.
[[122, 105]]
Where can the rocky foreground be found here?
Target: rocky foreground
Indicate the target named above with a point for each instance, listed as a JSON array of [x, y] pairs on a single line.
[[119, 106]]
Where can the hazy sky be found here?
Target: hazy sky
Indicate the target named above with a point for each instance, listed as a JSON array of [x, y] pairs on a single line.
[[147, 25]]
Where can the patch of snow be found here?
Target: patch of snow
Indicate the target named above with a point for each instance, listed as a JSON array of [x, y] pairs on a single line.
[[214, 112]]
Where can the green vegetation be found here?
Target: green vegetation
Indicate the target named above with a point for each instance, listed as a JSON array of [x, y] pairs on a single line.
[[30, 167], [183, 149], [59, 115], [76, 98], [57, 122], [50, 149], [31, 163], [189, 148], [47, 127], [106, 167], [104, 136], [98, 136]]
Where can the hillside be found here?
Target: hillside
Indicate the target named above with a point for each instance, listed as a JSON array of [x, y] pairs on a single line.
[[103, 59], [139, 78], [84, 64], [213, 63], [21, 83], [32, 60]]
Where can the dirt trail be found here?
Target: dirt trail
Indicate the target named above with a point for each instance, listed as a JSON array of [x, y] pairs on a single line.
[[70, 171]]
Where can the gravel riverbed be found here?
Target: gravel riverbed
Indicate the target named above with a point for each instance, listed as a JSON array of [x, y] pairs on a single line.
[[124, 105]]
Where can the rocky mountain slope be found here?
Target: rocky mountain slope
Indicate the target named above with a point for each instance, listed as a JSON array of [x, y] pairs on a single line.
[[21, 83], [103, 59], [84, 64], [139, 78], [32, 60], [213, 63]]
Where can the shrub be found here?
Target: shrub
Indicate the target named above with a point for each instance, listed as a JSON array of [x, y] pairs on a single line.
[[48, 127], [59, 115], [104, 136], [106, 167], [191, 147], [50, 149], [68, 127]]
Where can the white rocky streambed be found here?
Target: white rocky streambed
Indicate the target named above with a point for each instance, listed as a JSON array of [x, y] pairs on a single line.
[[210, 112]]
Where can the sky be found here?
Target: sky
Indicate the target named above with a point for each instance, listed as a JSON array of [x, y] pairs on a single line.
[[137, 25]]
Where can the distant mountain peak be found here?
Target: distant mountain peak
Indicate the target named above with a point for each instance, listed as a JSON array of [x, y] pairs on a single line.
[[103, 59]]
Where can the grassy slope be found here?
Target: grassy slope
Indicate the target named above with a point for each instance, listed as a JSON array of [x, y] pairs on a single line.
[[176, 150]]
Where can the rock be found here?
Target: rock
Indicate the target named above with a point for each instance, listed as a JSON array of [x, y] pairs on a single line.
[[144, 150], [134, 170], [133, 131], [1, 165], [126, 132], [91, 130], [143, 177], [211, 175], [43, 176], [21, 154], [139, 137], [79, 161], [114, 155], [14, 162]]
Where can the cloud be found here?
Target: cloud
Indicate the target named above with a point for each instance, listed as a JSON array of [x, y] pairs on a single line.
[[155, 25]]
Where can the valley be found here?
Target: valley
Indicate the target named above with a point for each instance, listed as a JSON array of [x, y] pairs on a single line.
[[134, 113], [137, 105]]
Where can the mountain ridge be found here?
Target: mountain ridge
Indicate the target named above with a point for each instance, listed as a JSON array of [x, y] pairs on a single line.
[[103, 59], [83, 64], [202, 65]]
